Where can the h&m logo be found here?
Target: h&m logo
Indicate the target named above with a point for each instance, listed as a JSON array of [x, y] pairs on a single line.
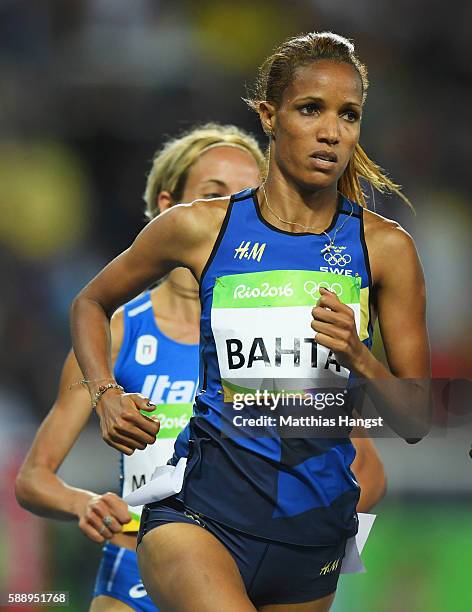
[[329, 567], [244, 250]]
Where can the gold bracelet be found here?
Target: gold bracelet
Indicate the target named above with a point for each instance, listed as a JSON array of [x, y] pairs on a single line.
[[103, 389], [84, 382]]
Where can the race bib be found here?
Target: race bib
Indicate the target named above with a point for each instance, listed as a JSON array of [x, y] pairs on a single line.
[[261, 325]]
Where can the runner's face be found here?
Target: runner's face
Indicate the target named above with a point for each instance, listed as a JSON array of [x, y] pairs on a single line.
[[220, 172], [317, 124]]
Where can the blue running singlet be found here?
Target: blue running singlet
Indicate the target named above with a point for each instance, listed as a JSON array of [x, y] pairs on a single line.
[[257, 292], [163, 370]]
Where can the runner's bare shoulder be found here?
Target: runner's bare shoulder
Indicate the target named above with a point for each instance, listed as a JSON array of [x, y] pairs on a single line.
[[187, 232], [196, 223], [387, 243], [202, 218]]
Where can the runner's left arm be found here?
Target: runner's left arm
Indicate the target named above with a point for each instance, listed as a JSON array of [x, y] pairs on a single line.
[[401, 391], [368, 470]]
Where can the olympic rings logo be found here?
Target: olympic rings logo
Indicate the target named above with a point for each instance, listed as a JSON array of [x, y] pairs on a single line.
[[337, 258], [313, 289]]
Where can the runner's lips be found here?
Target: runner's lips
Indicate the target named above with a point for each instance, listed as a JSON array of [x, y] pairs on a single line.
[[329, 156]]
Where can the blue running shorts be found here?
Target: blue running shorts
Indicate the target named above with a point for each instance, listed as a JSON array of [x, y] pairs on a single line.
[[273, 572]]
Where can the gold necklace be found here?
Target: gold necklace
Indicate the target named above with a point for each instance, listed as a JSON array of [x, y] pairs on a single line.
[[332, 240]]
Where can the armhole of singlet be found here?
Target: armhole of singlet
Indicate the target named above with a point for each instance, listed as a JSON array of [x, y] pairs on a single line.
[[218, 240], [124, 346], [367, 267]]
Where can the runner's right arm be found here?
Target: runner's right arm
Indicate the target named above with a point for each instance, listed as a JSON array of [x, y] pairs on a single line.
[[38, 488], [181, 236]]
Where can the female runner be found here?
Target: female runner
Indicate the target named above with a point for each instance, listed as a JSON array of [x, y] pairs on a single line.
[[261, 523]]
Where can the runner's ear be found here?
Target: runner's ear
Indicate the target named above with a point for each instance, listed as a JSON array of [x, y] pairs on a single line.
[[164, 200]]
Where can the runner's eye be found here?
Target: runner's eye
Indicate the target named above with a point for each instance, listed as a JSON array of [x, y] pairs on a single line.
[[310, 109], [351, 116], [208, 196]]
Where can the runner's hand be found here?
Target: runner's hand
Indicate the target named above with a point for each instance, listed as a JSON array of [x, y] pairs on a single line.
[[98, 507], [122, 424], [335, 329]]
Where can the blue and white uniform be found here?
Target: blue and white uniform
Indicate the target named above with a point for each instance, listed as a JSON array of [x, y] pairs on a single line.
[[166, 371], [257, 292]]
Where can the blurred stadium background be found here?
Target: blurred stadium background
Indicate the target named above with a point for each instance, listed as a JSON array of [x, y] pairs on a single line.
[[88, 90]]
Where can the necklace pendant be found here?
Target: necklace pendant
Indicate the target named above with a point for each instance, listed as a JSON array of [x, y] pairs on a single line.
[[327, 247]]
